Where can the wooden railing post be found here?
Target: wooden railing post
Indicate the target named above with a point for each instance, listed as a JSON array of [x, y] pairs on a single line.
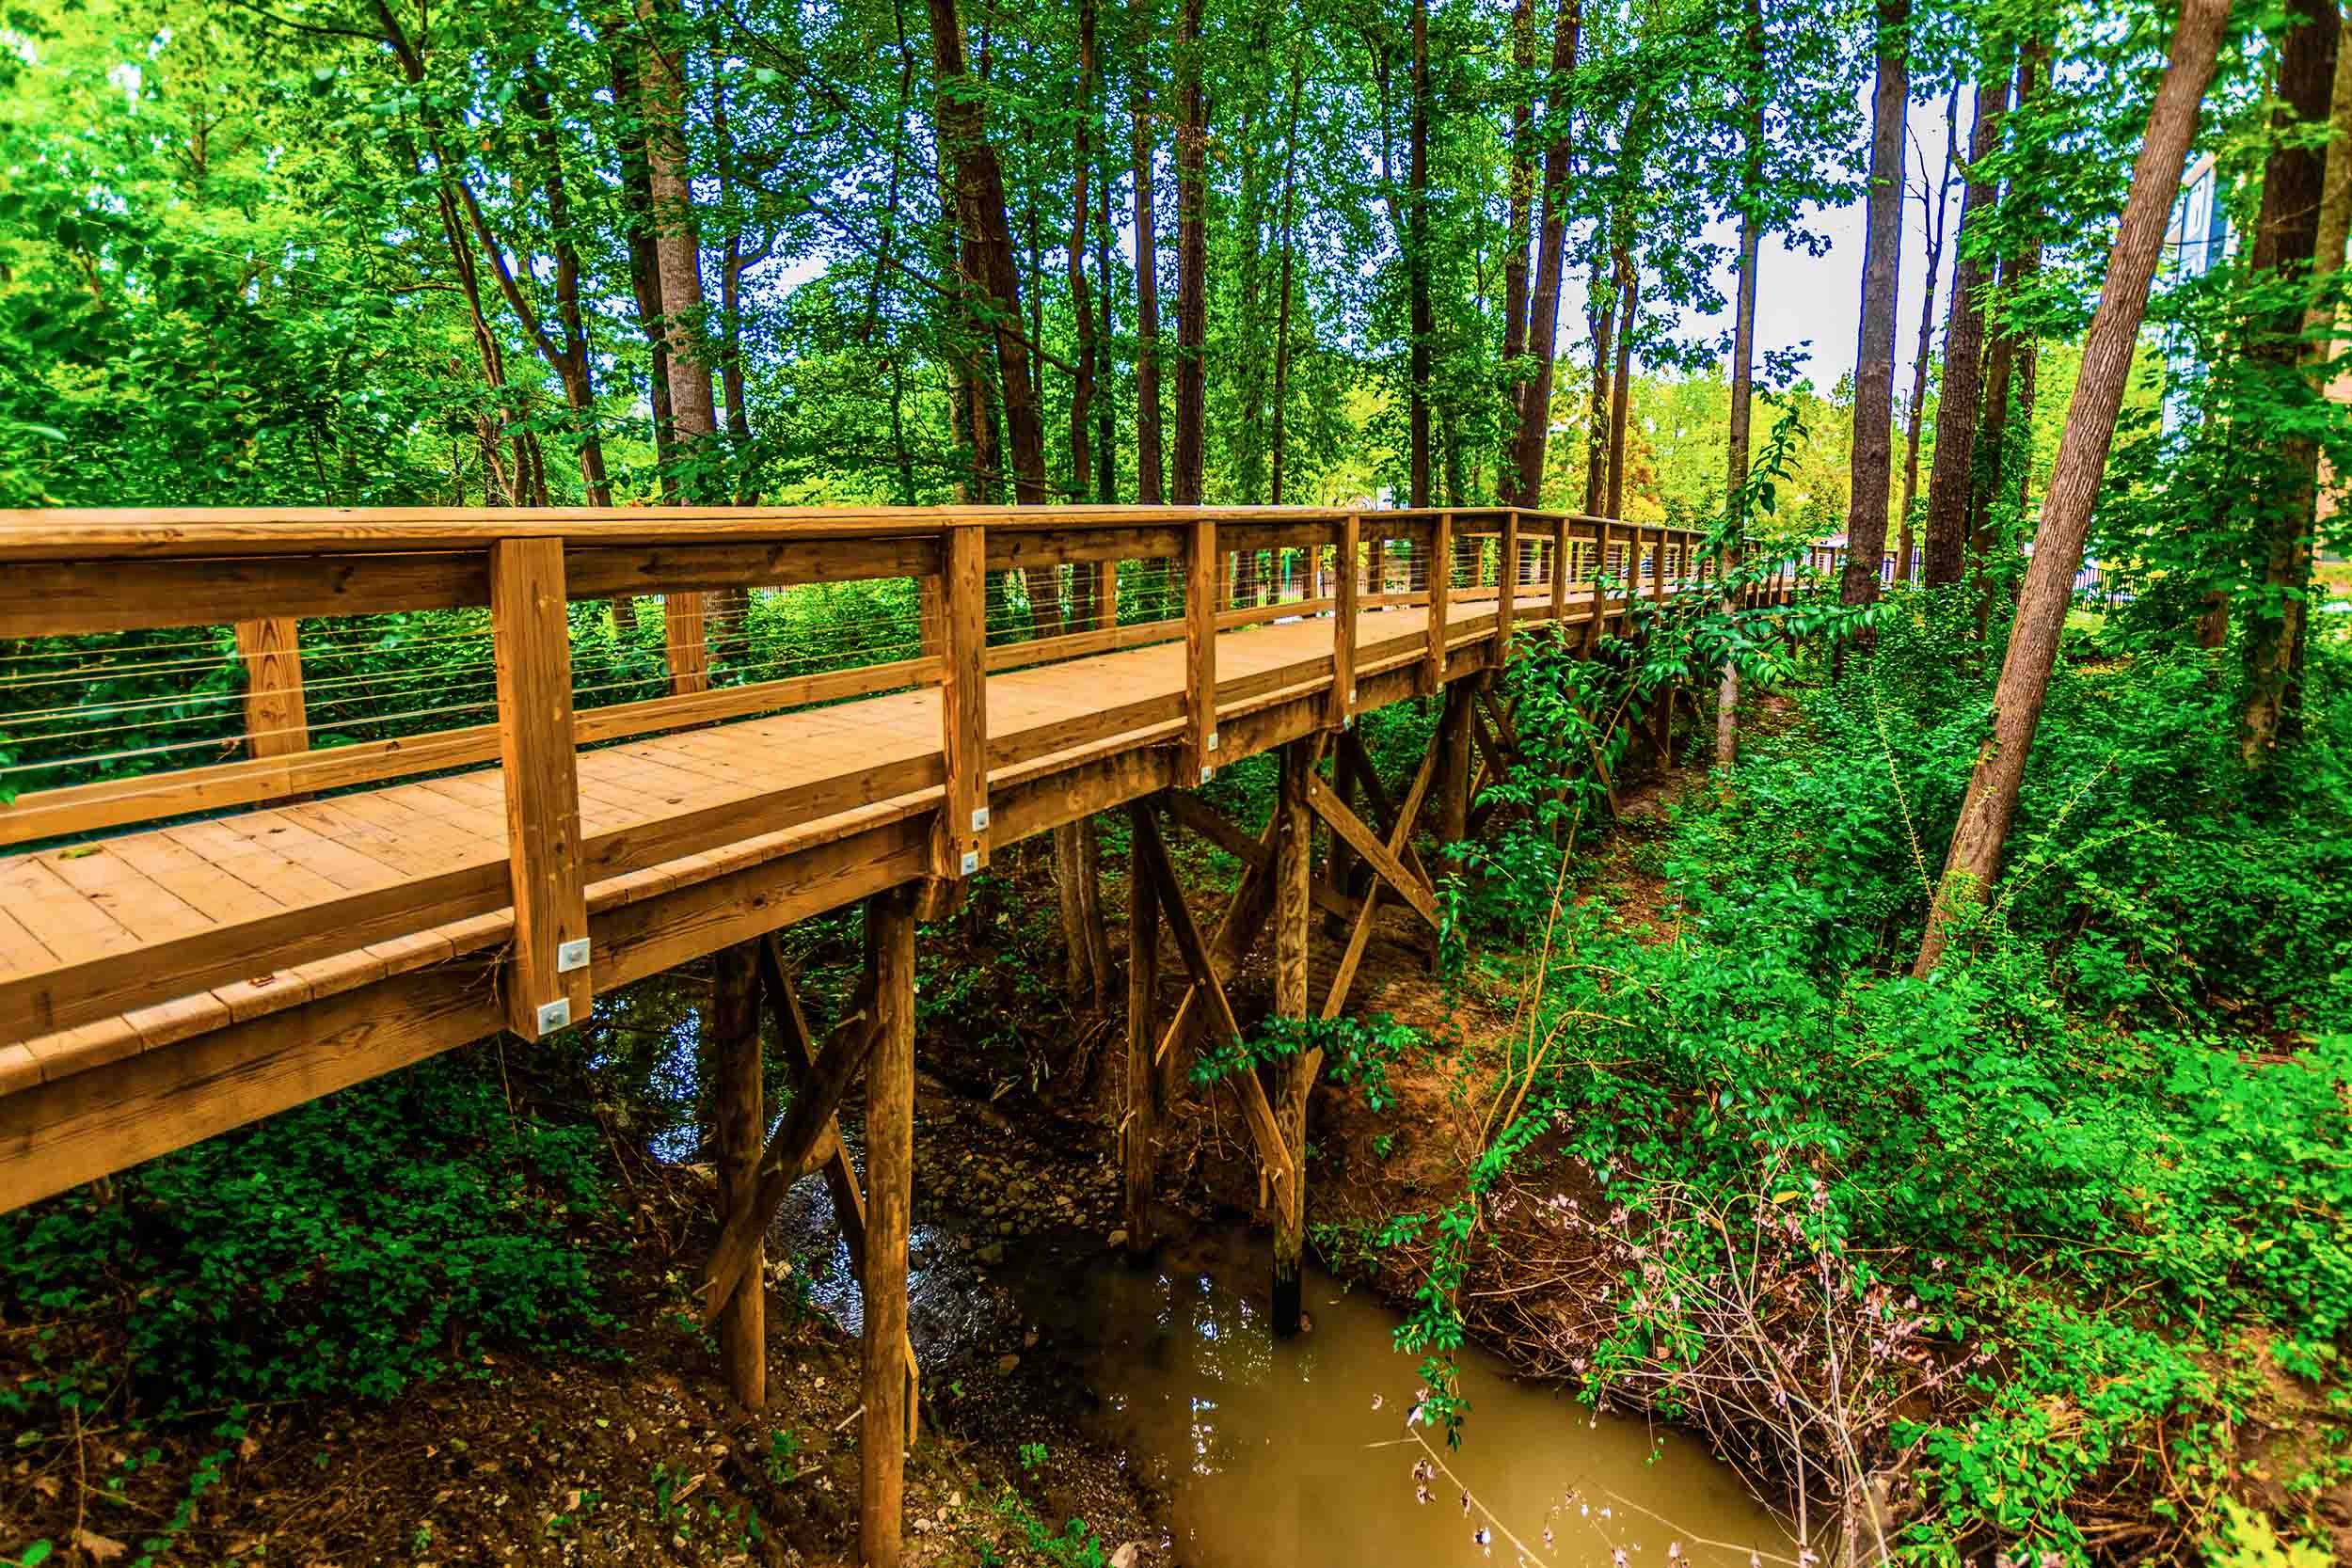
[[276, 723], [1563, 557], [1507, 586], [1657, 568], [686, 640], [1440, 580], [548, 982], [1344, 611], [1201, 604], [959, 847]]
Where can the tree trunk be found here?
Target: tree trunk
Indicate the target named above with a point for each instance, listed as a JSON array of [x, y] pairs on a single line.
[[1542, 324], [1936, 208], [1150, 465], [1601, 318], [678, 256], [1280, 440], [1422, 320], [1081, 303], [1621, 392], [1105, 417], [1964, 350], [2287, 243], [991, 271], [1869, 468], [1990, 807], [1518, 241], [1744, 356], [1192, 260]]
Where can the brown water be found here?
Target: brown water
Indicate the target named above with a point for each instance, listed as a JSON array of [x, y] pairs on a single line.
[[1298, 1454], [1294, 1454]]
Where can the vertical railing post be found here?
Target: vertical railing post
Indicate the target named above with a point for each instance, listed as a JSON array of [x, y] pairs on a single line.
[[1563, 558], [1441, 582], [959, 847], [1106, 594], [1201, 604], [1344, 611], [1507, 586], [548, 982], [1657, 568], [686, 640], [277, 722]]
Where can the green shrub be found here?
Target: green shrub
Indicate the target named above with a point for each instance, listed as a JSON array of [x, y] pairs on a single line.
[[352, 1246]]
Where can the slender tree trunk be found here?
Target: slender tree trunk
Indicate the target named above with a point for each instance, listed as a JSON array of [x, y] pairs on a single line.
[[1601, 318], [1519, 241], [2287, 242], [1192, 260], [1543, 326], [1105, 417], [992, 272], [1744, 355], [1081, 302], [1995, 440], [1990, 807], [1870, 471], [1150, 465], [1936, 208], [1621, 392], [644, 263], [1279, 441], [1423, 321], [1963, 348]]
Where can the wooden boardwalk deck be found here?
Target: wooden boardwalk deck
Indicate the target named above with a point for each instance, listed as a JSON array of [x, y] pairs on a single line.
[[252, 943]]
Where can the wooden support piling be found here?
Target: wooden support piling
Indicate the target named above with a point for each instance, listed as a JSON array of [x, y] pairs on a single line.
[[1291, 850], [889, 1177], [548, 982], [1140, 1128], [739, 1122]]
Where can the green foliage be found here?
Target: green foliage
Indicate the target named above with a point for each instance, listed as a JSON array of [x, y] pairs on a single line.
[[1356, 1050], [2101, 1140], [353, 1246]]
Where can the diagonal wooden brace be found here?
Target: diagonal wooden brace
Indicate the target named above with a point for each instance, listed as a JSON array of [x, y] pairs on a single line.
[[1273, 1148], [1400, 834], [1327, 806]]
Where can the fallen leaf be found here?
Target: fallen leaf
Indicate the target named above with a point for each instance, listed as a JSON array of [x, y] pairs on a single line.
[[99, 1548], [46, 1487], [1125, 1555], [77, 852]]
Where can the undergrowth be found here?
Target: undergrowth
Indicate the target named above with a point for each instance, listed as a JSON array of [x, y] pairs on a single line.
[[354, 1245], [2021, 1248]]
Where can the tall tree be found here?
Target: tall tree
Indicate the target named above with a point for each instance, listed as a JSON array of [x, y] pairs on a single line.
[[1542, 335], [1870, 472], [1151, 465], [1417, 264], [1990, 807], [1935, 206], [2287, 242], [1192, 259], [1960, 405], [1744, 346]]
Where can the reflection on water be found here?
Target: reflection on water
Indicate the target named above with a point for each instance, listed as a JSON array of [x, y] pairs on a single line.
[[1297, 1455]]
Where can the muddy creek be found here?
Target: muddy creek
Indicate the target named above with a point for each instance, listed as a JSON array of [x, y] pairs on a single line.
[[1267, 1454]]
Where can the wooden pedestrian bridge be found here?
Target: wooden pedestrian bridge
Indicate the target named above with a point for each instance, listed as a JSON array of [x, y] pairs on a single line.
[[226, 890]]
